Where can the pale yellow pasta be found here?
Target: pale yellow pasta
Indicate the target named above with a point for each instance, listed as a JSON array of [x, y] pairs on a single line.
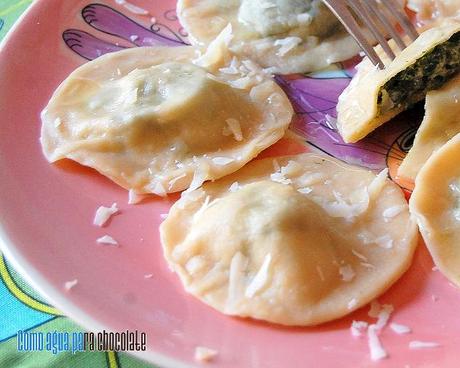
[[287, 36], [298, 240], [160, 120]]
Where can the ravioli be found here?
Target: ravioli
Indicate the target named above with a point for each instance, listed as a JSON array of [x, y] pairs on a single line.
[[161, 120], [287, 36], [435, 203], [375, 96], [298, 240], [441, 123]]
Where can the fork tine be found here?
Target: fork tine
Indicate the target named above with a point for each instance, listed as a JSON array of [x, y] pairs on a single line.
[[339, 8], [362, 10], [388, 25], [402, 18]]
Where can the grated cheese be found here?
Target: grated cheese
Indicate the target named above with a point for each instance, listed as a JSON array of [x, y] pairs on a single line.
[[357, 328], [305, 190], [234, 187], [106, 239], [204, 354], [236, 280], [134, 198], [287, 44], [423, 345], [235, 128], [384, 315], [400, 329], [135, 9], [347, 273], [232, 69], [320, 272], [352, 303], [148, 276], [359, 255], [103, 214], [392, 212], [70, 284], [260, 279], [222, 161], [158, 189], [280, 178], [292, 168], [384, 241], [375, 346]]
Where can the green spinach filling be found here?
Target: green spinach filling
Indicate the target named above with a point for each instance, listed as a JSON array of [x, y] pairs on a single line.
[[429, 72]]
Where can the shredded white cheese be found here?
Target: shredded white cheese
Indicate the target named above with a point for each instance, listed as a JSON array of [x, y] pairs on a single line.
[[204, 354], [357, 328], [352, 303], [359, 255], [235, 128], [305, 190], [236, 280], [347, 273], [392, 212], [148, 276], [234, 187], [280, 178], [400, 329], [222, 161], [423, 345], [260, 279], [287, 44], [134, 198], [106, 239], [103, 214], [384, 315], [70, 284], [233, 68], [384, 241], [375, 346], [292, 168], [158, 189], [134, 9]]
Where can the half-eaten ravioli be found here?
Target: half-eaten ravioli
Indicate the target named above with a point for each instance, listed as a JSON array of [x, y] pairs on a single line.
[[299, 240], [155, 122], [435, 203], [288, 36], [375, 96], [441, 123]]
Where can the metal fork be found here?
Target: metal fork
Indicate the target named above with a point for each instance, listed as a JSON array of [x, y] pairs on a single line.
[[380, 17]]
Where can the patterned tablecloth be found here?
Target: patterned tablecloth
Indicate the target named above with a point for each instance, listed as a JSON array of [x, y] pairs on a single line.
[[21, 308]]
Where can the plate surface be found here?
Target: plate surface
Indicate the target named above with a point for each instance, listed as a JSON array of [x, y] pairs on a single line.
[[46, 212]]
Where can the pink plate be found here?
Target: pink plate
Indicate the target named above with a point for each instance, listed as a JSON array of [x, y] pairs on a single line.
[[46, 213]]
